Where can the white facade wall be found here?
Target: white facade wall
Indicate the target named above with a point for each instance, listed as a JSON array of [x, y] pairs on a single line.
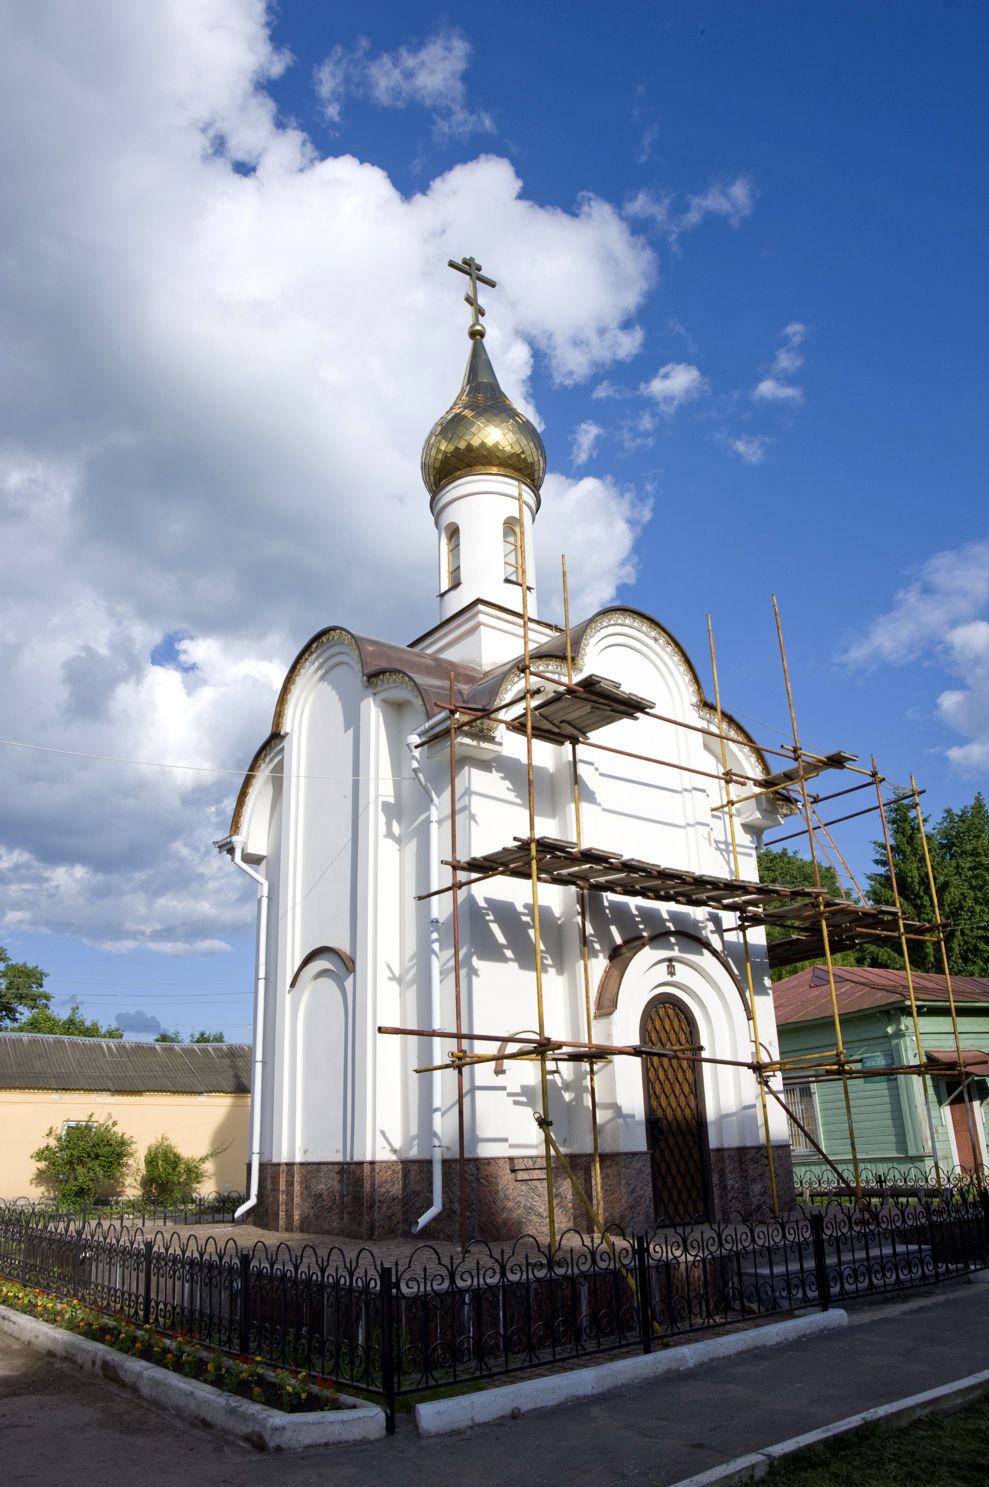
[[342, 829]]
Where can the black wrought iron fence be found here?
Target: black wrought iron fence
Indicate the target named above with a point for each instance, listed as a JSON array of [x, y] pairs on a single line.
[[203, 1208], [435, 1320]]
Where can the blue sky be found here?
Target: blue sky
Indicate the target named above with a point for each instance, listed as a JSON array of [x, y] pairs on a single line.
[[775, 217]]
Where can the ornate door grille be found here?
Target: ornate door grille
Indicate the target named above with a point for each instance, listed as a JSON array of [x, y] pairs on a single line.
[[675, 1126]]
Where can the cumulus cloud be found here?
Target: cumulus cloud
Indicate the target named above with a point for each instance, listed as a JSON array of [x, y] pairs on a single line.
[[732, 202], [776, 387], [214, 390], [430, 74], [940, 614], [609, 389], [608, 518], [751, 449], [675, 384], [586, 437]]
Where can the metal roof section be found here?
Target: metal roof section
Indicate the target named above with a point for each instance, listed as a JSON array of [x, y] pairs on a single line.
[[807, 996], [755, 904], [592, 702], [44, 1061]]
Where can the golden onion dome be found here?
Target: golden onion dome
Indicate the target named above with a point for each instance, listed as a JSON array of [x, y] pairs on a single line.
[[482, 433]]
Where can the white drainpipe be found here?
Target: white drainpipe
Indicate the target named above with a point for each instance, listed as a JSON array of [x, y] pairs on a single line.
[[234, 848], [434, 986]]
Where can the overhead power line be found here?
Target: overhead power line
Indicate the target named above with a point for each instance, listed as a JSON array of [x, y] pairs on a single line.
[[16, 743]]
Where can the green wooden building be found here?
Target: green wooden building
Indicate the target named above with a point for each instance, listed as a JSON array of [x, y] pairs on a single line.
[[895, 1129]]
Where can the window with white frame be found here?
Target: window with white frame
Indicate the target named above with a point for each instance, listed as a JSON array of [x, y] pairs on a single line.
[[513, 561], [800, 1103], [452, 556]]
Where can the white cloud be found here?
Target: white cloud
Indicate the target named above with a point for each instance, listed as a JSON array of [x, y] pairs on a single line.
[[586, 437], [212, 400], [646, 206], [751, 449], [732, 202], [940, 615], [608, 389], [772, 390], [430, 75], [637, 432], [594, 523], [786, 363], [675, 384]]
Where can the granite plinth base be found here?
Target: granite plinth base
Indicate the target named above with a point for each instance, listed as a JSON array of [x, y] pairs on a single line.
[[505, 1196], [740, 1184]]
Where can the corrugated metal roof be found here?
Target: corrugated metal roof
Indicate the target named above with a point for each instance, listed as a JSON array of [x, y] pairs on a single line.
[[806, 996], [43, 1061]]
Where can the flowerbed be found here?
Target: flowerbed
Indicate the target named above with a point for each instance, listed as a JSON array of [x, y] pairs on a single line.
[[291, 1390]]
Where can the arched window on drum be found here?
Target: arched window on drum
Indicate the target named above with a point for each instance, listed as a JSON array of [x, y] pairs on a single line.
[[452, 555], [513, 553]]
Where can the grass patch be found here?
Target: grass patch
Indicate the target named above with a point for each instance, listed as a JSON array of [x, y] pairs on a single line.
[[940, 1451]]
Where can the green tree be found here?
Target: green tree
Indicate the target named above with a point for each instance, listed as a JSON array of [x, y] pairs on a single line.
[[907, 850], [789, 870], [82, 1160], [963, 852], [72, 1025], [166, 1037], [167, 1176], [22, 989], [204, 1037]]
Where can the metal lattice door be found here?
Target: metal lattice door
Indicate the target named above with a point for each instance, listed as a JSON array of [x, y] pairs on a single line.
[[675, 1127]]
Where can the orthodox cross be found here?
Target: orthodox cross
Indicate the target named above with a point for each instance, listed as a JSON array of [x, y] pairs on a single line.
[[472, 269]]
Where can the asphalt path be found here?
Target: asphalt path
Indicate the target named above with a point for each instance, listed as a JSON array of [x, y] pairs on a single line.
[[58, 1427]]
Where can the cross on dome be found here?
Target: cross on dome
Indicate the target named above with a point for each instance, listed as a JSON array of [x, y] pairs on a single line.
[[472, 269]]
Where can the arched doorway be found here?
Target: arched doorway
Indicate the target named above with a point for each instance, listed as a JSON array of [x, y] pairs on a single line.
[[676, 1130]]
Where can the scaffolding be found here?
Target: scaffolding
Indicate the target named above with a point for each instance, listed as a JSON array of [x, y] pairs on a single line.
[[565, 712]]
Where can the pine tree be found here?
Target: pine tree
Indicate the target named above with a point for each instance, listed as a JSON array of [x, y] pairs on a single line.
[[790, 870], [912, 882], [963, 845]]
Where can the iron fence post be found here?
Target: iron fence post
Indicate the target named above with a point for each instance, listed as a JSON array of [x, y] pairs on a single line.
[[146, 1305], [245, 1302], [984, 1200], [643, 1299], [386, 1283], [820, 1260]]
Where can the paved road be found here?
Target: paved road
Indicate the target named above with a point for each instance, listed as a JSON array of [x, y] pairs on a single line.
[[60, 1428]]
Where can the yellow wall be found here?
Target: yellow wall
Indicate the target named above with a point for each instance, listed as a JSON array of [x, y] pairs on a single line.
[[196, 1123]]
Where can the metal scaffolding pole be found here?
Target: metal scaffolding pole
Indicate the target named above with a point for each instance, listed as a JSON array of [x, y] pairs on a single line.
[[836, 1014], [534, 879], [458, 1010], [908, 968], [973, 1135], [750, 984], [582, 909]]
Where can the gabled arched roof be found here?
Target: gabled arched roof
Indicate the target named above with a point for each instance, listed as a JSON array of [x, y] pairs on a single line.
[[428, 678]]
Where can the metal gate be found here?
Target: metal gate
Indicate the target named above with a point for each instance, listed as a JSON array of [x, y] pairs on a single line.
[[676, 1131]]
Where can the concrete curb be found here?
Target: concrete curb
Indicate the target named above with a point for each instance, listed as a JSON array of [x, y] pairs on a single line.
[[752, 1468], [258, 1426], [445, 1416]]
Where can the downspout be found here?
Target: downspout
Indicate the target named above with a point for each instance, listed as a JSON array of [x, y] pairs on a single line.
[[434, 985], [234, 848]]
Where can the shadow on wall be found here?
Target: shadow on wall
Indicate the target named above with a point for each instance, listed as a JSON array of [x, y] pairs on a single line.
[[229, 1140]]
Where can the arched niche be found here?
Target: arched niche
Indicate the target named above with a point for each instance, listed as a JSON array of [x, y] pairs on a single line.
[[321, 1011], [680, 965]]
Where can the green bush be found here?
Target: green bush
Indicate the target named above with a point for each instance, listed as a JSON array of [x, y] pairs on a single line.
[[82, 1160], [168, 1176]]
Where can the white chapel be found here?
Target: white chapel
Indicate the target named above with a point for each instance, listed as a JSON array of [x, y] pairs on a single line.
[[393, 769]]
